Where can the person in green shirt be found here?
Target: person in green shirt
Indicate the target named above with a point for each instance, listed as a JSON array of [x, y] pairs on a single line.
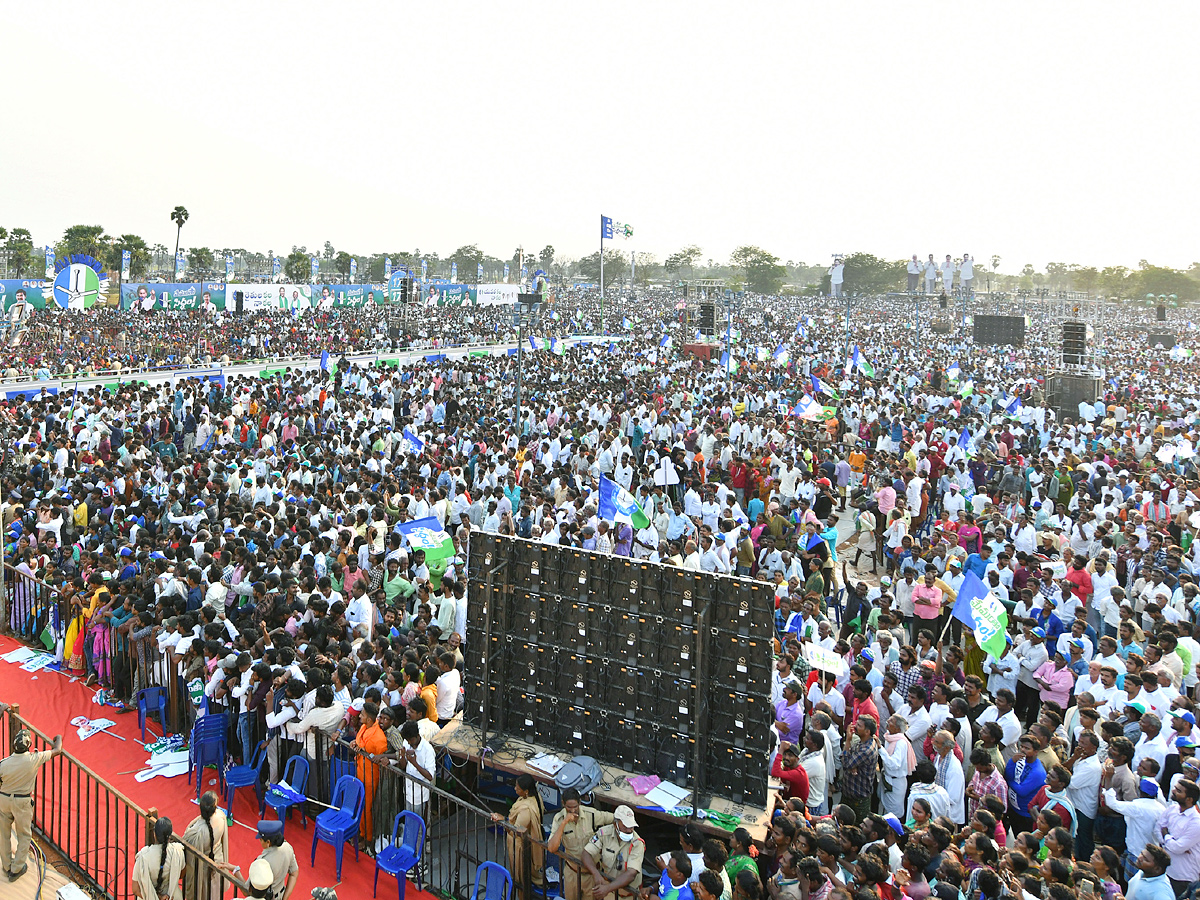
[[739, 855]]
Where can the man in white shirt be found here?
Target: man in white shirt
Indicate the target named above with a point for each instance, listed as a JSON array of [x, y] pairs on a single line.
[[1002, 713], [919, 721], [914, 273], [419, 762], [1002, 670], [449, 683]]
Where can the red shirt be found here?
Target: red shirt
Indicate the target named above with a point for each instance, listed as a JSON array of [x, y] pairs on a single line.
[[864, 708], [1081, 584], [795, 781]]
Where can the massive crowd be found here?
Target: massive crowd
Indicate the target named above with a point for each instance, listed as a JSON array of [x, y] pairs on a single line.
[[248, 533]]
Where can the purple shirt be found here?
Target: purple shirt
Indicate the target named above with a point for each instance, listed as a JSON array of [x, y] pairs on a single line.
[[793, 716]]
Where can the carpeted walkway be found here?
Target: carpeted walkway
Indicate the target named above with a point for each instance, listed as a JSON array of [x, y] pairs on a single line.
[[50, 700]]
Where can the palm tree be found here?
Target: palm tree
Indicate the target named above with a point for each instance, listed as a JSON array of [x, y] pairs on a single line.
[[179, 215]]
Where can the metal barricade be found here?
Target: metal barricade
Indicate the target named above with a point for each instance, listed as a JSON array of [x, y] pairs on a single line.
[[98, 831]]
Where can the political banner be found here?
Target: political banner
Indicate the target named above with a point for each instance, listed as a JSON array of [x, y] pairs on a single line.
[[387, 268], [453, 272], [173, 296], [271, 296], [276, 265], [314, 268], [822, 658], [126, 264], [50, 273], [496, 294], [180, 261], [228, 267], [32, 292]]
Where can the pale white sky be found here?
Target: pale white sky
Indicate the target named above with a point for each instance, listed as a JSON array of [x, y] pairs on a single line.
[[1039, 132]]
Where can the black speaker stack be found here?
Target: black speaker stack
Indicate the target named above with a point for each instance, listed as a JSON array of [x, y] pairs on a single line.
[[1006, 330], [648, 668], [1160, 313], [1074, 343], [1160, 339], [708, 318]]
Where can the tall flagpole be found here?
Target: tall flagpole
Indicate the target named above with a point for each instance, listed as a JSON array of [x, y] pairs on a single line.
[[602, 274]]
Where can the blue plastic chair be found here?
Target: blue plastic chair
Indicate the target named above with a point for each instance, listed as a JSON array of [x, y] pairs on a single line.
[[245, 776], [149, 700], [336, 826], [295, 773], [208, 747], [401, 857], [497, 882]]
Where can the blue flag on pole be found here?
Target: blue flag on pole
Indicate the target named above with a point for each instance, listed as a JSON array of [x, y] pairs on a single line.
[[427, 534], [533, 345], [324, 360], [964, 438], [410, 443], [666, 339], [618, 505], [1013, 407], [981, 610]]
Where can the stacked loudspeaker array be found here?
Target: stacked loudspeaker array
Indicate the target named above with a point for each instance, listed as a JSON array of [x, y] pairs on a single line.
[[649, 668]]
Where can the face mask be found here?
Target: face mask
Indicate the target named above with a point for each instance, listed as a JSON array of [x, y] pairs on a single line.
[[626, 836]]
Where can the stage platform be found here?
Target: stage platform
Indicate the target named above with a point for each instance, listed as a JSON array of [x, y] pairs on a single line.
[[465, 742]]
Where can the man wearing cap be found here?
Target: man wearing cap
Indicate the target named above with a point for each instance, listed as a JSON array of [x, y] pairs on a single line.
[[1031, 655], [18, 778], [1141, 815], [787, 769], [280, 856], [614, 856]]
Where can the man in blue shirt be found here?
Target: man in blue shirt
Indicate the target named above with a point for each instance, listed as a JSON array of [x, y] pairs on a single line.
[[675, 882], [1024, 776], [1150, 883], [979, 562]]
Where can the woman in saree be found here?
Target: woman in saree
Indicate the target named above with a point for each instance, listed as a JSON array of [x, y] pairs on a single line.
[[370, 742]]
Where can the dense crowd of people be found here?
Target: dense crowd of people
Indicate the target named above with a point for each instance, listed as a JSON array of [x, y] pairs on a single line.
[[248, 536]]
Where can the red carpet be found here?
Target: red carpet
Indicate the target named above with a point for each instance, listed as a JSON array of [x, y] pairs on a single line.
[[50, 700]]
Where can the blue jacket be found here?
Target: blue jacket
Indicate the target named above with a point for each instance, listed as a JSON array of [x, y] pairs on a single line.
[[1031, 782]]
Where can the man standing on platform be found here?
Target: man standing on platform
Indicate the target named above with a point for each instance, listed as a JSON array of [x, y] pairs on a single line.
[[18, 778]]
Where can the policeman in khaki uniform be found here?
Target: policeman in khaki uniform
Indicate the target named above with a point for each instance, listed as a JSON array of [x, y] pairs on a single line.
[[573, 827], [614, 857], [18, 778]]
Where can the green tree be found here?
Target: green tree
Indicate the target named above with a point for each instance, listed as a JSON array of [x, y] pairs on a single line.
[[1161, 280], [1116, 281], [20, 251], [341, 263], [179, 215], [684, 259], [546, 258], [468, 259], [763, 273], [1085, 278], [139, 255], [1057, 275], [297, 266], [3, 233], [616, 267], [201, 261], [86, 239]]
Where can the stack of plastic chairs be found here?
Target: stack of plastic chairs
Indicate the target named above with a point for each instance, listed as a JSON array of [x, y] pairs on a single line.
[[336, 826], [402, 855], [209, 747], [295, 773]]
